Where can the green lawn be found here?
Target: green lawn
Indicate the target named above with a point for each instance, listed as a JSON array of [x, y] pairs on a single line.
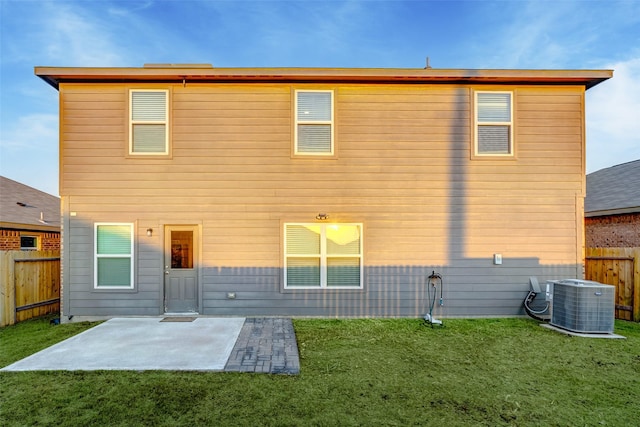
[[354, 372]]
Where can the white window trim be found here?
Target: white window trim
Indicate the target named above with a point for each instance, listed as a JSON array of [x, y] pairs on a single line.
[[476, 124], [324, 256], [135, 122], [96, 256], [316, 122]]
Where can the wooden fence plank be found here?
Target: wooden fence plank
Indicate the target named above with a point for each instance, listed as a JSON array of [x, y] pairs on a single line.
[[7, 289]]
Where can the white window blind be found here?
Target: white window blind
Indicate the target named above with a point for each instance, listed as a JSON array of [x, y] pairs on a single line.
[[149, 122], [303, 272], [494, 107], [314, 122], [304, 249], [113, 255], [323, 256], [494, 124], [149, 106], [314, 106], [314, 139], [493, 139], [343, 272]]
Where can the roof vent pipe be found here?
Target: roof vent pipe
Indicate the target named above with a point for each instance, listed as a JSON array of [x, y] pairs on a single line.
[[428, 67]]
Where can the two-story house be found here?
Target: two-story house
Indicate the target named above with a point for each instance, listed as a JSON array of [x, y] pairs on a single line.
[[317, 191]]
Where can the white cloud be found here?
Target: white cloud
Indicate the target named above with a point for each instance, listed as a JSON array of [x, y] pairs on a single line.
[[31, 132], [76, 38], [293, 34], [29, 151], [528, 42], [613, 117], [124, 9], [565, 34]]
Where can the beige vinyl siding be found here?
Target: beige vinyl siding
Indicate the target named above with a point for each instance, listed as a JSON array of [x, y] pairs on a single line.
[[402, 167]]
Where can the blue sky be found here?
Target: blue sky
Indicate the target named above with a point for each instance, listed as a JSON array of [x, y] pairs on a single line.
[[571, 34]]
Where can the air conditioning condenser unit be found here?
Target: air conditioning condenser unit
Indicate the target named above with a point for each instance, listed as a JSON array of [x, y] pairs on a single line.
[[583, 306]]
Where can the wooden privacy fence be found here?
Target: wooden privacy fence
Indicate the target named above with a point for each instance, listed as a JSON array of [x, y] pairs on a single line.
[[30, 285], [619, 267]]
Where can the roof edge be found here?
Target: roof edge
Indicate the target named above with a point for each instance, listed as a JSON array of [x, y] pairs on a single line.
[[29, 227], [56, 75], [608, 212]]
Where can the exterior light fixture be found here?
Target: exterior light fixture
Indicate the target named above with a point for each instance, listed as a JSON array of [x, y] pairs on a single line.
[[322, 216], [149, 232]]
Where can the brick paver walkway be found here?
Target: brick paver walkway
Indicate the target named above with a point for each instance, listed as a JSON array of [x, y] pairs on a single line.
[[265, 345]]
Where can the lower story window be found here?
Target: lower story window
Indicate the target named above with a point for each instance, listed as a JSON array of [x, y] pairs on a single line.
[[323, 256], [113, 260], [28, 243]]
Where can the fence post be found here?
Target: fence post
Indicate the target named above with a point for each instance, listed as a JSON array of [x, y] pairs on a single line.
[[636, 284]]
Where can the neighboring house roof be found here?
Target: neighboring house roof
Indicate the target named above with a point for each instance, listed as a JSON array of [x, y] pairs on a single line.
[[25, 208], [614, 190], [185, 73]]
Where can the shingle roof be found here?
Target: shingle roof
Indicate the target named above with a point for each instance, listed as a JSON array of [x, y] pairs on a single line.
[[25, 208], [613, 190]]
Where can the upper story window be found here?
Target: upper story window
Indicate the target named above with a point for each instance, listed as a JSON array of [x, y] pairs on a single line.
[[493, 124], [314, 122], [149, 122], [113, 258], [320, 256]]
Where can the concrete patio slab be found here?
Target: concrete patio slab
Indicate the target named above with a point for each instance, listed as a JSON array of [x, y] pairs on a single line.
[[203, 344]]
